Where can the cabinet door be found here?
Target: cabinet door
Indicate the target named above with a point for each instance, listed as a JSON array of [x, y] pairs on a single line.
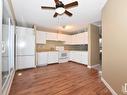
[[70, 56], [86, 37], [77, 56], [73, 56], [73, 39], [85, 58], [81, 38], [76, 39], [52, 57], [40, 37], [52, 36], [24, 62], [42, 58], [62, 37], [68, 39]]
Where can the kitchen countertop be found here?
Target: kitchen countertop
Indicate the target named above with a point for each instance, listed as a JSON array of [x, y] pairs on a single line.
[[47, 51], [57, 50], [77, 50]]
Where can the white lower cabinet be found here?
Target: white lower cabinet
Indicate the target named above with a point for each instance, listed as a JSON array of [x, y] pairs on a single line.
[[74, 56], [24, 62], [45, 58], [84, 58], [52, 57], [79, 57], [42, 58]]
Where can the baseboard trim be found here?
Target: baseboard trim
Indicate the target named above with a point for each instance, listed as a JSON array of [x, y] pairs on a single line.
[[108, 86], [93, 66], [7, 89], [78, 63], [52, 63], [100, 73], [89, 67]]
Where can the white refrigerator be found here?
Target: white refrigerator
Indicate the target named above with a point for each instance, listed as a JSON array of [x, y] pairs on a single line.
[[25, 48]]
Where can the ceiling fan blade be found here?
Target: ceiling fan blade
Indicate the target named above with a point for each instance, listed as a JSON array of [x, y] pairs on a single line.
[[73, 4], [55, 15], [46, 7], [68, 13], [56, 1]]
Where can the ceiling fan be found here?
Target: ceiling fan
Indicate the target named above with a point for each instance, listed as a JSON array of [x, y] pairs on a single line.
[[60, 8]]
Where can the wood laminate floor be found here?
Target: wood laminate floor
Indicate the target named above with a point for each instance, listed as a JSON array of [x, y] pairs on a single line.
[[59, 79]]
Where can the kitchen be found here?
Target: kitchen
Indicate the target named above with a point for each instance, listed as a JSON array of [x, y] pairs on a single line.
[[49, 48]]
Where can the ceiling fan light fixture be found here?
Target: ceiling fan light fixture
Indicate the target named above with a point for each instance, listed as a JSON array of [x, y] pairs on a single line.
[[60, 10]]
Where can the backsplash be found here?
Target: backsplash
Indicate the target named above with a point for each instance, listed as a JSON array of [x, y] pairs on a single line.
[[51, 45], [76, 47]]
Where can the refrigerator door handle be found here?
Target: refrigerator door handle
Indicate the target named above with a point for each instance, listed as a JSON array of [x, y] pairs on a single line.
[[3, 47]]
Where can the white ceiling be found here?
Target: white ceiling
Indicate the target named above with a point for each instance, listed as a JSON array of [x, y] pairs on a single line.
[[29, 12]]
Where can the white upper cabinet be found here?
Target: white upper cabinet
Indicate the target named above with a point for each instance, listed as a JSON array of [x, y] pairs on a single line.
[[62, 37], [40, 37], [86, 37], [81, 38], [52, 36], [68, 39], [56, 36], [74, 39]]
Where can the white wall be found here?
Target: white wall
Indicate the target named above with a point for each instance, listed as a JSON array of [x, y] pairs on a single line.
[[0, 46]]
